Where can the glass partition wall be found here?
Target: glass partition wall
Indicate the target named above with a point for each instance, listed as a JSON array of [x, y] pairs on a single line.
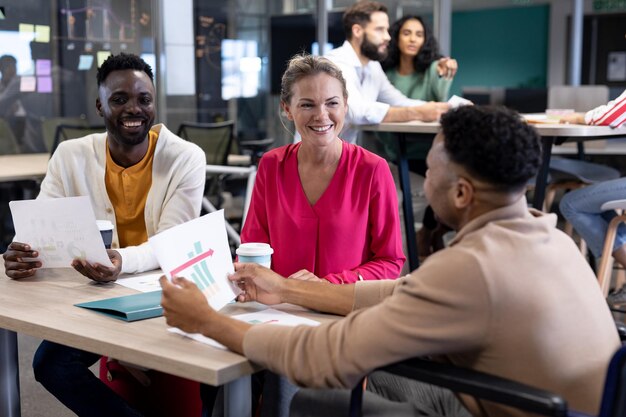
[[212, 59], [220, 60]]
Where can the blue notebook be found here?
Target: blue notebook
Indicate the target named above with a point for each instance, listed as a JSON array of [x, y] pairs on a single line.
[[130, 307]]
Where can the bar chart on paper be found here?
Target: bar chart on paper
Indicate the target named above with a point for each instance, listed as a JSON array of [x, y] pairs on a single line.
[[198, 250], [197, 269]]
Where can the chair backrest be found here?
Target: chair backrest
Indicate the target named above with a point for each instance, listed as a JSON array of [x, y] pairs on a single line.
[[8, 143], [614, 394], [526, 100], [65, 132], [580, 98], [215, 139], [49, 127]]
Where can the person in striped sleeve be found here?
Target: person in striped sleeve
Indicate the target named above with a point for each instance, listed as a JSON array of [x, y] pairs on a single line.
[[582, 207]]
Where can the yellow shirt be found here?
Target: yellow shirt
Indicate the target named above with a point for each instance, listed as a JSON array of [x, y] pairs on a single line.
[[128, 190]]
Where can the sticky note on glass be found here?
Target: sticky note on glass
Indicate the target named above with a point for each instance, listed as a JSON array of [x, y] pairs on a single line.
[[28, 84], [44, 84], [43, 67], [42, 33], [85, 62], [102, 56], [26, 31]]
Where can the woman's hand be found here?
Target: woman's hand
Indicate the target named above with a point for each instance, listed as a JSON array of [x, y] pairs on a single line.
[[184, 305], [14, 264], [100, 273], [447, 67], [304, 275], [258, 283]]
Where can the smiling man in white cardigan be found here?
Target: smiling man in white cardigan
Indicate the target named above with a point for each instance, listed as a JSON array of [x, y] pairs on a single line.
[[144, 179]]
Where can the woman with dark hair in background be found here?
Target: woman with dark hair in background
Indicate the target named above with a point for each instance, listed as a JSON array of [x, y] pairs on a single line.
[[414, 65], [416, 68]]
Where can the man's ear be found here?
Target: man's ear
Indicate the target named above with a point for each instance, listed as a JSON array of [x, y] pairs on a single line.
[[463, 193], [357, 31], [99, 107]]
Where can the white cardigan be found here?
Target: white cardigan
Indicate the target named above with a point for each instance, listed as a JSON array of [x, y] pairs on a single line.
[[77, 168]]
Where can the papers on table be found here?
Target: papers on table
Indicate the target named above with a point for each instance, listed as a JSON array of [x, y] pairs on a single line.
[[269, 316], [535, 118], [147, 282], [456, 101], [198, 250], [60, 229]]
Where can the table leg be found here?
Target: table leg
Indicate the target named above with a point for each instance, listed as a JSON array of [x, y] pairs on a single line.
[[9, 375], [542, 175], [238, 398], [407, 203]]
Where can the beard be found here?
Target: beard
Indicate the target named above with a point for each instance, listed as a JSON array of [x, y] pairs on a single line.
[[370, 51]]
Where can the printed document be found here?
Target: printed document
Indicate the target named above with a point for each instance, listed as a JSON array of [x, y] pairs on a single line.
[[198, 250], [268, 316], [60, 229]]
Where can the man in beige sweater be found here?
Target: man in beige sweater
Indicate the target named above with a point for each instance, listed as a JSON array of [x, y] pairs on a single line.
[[511, 295]]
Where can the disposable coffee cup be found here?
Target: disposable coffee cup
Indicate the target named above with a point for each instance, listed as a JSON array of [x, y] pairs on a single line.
[[106, 231], [260, 253]]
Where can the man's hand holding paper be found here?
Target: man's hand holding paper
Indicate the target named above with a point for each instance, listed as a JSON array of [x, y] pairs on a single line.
[[60, 233]]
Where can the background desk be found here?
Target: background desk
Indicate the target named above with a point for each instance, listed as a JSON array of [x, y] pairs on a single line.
[[21, 167], [551, 134], [43, 307]]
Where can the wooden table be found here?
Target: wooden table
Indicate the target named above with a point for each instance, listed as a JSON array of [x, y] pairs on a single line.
[[21, 167], [43, 306], [551, 134]]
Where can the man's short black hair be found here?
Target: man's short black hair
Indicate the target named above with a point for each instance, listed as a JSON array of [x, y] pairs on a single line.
[[492, 143], [122, 61]]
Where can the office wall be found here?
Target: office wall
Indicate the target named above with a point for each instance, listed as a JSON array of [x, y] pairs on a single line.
[[504, 47]]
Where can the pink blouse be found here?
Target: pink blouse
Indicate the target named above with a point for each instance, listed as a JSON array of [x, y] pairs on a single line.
[[352, 231]]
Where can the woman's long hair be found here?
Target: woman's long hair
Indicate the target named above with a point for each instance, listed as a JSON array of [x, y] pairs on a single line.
[[428, 53]]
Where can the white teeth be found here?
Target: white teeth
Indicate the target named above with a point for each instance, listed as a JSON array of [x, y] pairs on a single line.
[[132, 124], [321, 128]]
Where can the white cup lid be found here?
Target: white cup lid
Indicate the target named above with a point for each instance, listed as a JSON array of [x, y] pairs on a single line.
[[104, 225], [254, 249]]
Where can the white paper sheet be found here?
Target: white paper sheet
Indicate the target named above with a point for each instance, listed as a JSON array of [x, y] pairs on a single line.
[[141, 282], [60, 229], [456, 101], [269, 316], [198, 250]]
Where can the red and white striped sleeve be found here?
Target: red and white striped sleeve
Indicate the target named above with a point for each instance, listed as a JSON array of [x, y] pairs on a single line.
[[612, 114]]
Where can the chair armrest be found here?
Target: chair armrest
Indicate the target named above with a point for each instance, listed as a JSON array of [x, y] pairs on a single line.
[[479, 385], [256, 144]]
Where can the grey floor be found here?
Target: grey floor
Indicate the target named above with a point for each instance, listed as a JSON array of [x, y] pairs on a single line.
[[35, 400]]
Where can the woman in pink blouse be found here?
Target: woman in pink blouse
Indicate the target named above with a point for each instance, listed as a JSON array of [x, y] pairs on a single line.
[[328, 208]]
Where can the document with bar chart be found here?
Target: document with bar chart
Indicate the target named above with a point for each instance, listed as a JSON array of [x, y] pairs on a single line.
[[198, 250]]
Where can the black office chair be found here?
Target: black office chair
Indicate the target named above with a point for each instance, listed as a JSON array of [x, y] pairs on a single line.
[[504, 391], [8, 142], [65, 132], [49, 127], [255, 148], [215, 139]]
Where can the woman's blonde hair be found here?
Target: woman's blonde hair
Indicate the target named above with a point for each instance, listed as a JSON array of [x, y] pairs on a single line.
[[305, 65]]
